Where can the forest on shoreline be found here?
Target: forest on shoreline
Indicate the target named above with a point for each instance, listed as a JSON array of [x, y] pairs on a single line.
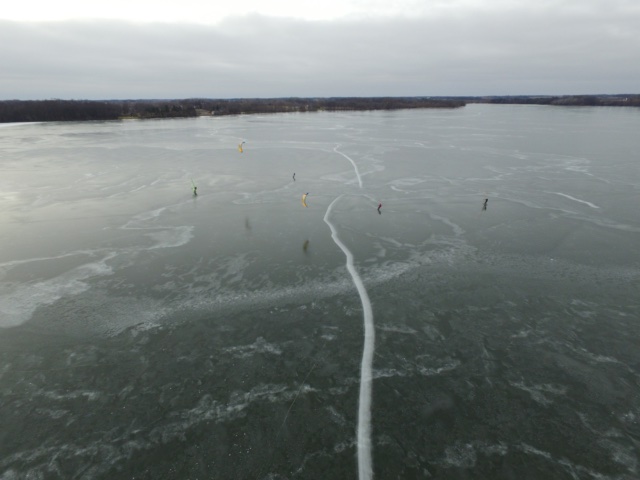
[[84, 110]]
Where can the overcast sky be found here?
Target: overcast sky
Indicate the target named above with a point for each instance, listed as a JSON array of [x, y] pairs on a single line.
[[122, 49]]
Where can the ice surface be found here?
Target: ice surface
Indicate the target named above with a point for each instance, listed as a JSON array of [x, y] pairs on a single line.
[[146, 332]]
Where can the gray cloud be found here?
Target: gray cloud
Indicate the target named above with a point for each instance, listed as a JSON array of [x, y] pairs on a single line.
[[586, 47]]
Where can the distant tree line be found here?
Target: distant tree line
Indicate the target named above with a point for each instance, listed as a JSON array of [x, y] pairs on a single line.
[[53, 110], [562, 100], [279, 105], [81, 110]]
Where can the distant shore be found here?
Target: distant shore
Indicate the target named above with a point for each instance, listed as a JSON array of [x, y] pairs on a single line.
[[86, 110]]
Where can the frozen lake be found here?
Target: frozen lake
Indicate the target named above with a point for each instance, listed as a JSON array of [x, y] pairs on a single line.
[[149, 333]]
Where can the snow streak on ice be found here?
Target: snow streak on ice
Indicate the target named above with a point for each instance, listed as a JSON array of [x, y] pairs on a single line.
[[365, 468]]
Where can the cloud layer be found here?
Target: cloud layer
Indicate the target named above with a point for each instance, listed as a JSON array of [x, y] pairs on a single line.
[[541, 49]]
